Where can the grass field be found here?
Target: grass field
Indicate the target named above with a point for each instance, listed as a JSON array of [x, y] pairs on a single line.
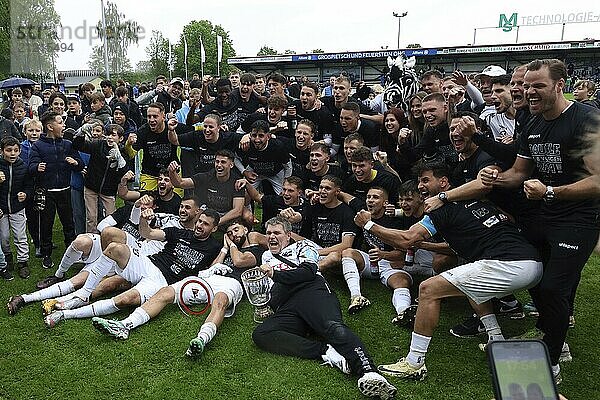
[[73, 361]]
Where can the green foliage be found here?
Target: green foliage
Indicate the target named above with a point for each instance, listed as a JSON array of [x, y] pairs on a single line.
[[73, 361], [317, 51], [120, 33], [158, 54], [32, 28], [267, 51], [208, 32]]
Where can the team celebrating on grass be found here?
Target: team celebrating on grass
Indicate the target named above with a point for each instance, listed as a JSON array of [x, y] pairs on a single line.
[[475, 186]]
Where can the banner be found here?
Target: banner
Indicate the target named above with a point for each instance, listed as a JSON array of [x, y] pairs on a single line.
[[219, 48]]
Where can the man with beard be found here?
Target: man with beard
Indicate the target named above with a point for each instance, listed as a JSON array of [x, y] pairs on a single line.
[[153, 139], [224, 279], [276, 106], [186, 252], [306, 108], [204, 144], [303, 304], [328, 223], [365, 177], [266, 159], [168, 201], [500, 262], [216, 189], [290, 204], [566, 230], [502, 123], [318, 167]]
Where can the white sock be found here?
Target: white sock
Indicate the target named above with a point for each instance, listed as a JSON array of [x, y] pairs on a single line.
[[97, 309], [418, 349], [401, 299], [491, 327], [138, 317], [208, 330], [98, 270], [78, 293], [56, 290], [351, 275], [71, 256]]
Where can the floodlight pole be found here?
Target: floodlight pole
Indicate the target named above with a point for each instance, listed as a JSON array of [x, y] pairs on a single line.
[[399, 16], [105, 41]]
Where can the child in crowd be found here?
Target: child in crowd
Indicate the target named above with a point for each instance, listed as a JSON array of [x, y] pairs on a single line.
[[104, 172], [15, 188], [99, 108], [32, 130], [20, 114]]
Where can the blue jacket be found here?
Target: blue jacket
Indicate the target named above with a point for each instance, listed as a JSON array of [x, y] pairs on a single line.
[[16, 179], [53, 152]]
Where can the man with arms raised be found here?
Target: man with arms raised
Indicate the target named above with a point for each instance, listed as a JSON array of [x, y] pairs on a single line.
[[303, 304]]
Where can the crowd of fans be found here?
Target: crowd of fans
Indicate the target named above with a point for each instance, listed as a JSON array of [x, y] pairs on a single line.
[[346, 170]]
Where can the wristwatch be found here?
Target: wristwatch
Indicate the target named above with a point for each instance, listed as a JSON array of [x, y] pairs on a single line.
[[443, 197], [549, 196]]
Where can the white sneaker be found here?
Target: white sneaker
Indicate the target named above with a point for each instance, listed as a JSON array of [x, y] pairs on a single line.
[[335, 359], [51, 320], [565, 354], [71, 304], [372, 384]]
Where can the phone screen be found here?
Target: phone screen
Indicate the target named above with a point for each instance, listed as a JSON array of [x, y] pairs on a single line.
[[522, 370]]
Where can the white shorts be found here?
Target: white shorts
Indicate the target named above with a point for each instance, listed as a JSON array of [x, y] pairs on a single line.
[[385, 269], [483, 280], [231, 287], [95, 251], [144, 275]]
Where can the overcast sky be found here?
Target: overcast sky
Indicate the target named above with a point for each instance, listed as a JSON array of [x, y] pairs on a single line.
[[329, 25]]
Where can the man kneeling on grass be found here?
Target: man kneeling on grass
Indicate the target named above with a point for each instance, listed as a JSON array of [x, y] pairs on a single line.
[[501, 261], [304, 304]]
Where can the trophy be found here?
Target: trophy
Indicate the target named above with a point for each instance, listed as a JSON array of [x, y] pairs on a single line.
[[258, 290]]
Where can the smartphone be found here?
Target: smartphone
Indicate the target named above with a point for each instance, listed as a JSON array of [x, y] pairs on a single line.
[[520, 370]]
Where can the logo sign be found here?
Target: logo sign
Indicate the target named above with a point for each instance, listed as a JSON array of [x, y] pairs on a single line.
[[507, 24]]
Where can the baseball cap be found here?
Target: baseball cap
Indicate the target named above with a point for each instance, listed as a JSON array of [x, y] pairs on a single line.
[[492, 70], [73, 96], [177, 80]]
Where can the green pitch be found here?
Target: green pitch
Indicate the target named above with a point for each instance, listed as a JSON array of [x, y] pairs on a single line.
[[74, 361]]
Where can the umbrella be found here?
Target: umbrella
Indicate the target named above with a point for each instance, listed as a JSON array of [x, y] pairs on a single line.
[[15, 81]]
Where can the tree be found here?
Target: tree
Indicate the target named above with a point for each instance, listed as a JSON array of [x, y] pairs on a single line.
[[267, 51], [158, 54], [29, 28], [120, 34], [317, 51], [204, 29]]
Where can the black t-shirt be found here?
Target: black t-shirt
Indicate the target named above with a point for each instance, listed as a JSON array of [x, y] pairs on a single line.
[[287, 132], [467, 170], [300, 159], [326, 226], [229, 113], [370, 133], [214, 194], [205, 151], [246, 108], [256, 250], [322, 118], [169, 206], [556, 147], [267, 162], [184, 255], [477, 230], [436, 143], [158, 151], [312, 180], [121, 216], [384, 179], [387, 222], [273, 204]]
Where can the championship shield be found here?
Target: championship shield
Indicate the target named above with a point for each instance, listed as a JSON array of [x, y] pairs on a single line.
[[258, 289]]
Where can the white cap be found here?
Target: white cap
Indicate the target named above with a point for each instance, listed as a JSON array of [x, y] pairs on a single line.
[[492, 70]]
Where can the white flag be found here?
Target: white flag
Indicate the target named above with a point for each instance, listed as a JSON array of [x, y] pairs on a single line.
[[170, 57], [185, 49], [219, 48], [202, 52]]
